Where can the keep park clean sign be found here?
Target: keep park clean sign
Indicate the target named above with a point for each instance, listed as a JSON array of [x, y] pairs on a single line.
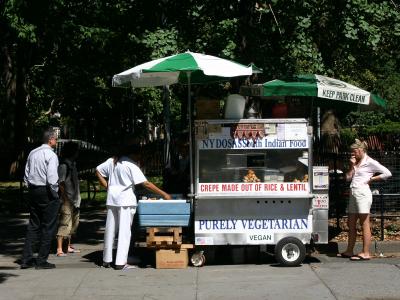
[[334, 89]]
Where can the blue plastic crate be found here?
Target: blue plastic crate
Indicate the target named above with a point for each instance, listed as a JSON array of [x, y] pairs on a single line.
[[153, 213]]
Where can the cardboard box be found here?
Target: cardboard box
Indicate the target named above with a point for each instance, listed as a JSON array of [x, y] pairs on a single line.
[[172, 258], [207, 108]]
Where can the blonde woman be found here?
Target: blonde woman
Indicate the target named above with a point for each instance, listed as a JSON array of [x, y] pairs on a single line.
[[362, 172]]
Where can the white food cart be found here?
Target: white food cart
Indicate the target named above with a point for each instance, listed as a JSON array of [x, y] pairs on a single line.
[[255, 184]]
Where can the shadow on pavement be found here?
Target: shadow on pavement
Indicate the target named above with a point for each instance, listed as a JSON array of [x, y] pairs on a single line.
[[95, 257], [5, 276], [331, 249], [13, 228], [91, 227], [91, 232]]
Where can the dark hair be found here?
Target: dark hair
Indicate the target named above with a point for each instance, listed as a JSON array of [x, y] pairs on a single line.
[[69, 149], [48, 135], [127, 150]]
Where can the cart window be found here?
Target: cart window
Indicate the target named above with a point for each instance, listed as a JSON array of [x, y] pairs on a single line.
[[236, 166]]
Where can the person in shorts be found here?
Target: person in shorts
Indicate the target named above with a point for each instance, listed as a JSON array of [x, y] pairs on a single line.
[[363, 171], [70, 197]]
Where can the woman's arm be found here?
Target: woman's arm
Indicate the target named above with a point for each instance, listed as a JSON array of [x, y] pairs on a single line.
[[63, 194], [102, 180], [153, 188], [383, 172], [350, 172]]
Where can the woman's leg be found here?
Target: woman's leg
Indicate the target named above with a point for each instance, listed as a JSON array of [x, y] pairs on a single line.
[[59, 245], [75, 223], [365, 224], [109, 233], [64, 226], [75, 220], [352, 222]]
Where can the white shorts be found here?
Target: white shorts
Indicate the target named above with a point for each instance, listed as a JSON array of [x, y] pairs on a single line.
[[360, 200]]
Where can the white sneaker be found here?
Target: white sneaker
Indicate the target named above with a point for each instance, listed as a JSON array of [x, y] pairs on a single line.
[[128, 267]]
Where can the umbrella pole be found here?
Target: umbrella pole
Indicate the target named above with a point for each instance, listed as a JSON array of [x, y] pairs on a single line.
[[190, 136], [319, 122]]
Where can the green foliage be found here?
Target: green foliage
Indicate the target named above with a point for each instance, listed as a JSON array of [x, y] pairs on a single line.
[[368, 118], [161, 42], [157, 180], [347, 136], [364, 124], [14, 15], [149, 100], [392, 229], [389, 88], [65, 54], [387, 127]]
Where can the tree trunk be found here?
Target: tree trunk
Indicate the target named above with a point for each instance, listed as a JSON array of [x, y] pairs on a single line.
[[16, 123]]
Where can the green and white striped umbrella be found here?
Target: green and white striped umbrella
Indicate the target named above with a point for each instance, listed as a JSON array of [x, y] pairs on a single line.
[[185, 68], [316, 86]]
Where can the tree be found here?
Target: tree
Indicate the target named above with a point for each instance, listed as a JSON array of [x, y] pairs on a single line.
[[58, 56]]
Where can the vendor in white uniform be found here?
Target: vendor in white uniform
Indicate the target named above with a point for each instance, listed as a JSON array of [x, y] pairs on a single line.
[[119, 175]]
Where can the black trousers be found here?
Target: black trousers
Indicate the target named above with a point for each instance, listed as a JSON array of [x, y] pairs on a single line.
[[43, 206]]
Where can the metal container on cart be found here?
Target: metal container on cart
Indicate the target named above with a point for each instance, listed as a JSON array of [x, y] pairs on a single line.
[[255, 184]]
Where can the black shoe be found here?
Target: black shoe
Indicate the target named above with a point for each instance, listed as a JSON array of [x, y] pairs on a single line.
[[119, 267], [28, 265], [106, 265], [45, 265]]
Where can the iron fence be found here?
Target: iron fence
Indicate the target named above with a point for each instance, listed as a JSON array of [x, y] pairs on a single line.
[[91, 155], [386, 195]]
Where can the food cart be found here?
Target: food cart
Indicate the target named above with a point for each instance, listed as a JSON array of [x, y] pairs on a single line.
[[255, 184], [252, 181]]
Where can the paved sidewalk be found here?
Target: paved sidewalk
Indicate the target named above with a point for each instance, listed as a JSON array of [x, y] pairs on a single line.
[[90, 239], [322, 276]]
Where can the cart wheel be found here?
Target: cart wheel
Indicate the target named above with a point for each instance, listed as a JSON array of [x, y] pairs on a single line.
[[198, 259], [290, 252]]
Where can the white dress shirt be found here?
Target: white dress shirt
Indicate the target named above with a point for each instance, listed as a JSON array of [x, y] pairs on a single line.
[[41, 167], [365, 170]]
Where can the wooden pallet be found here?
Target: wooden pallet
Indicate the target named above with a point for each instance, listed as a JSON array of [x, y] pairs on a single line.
[[164, 246], [163, 236]]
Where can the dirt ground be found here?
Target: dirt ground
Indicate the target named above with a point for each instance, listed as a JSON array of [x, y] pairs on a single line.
[[391, 229]]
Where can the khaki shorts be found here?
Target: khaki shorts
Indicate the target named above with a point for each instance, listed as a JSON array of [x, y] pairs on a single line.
[[69, 220], [360, 200]]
